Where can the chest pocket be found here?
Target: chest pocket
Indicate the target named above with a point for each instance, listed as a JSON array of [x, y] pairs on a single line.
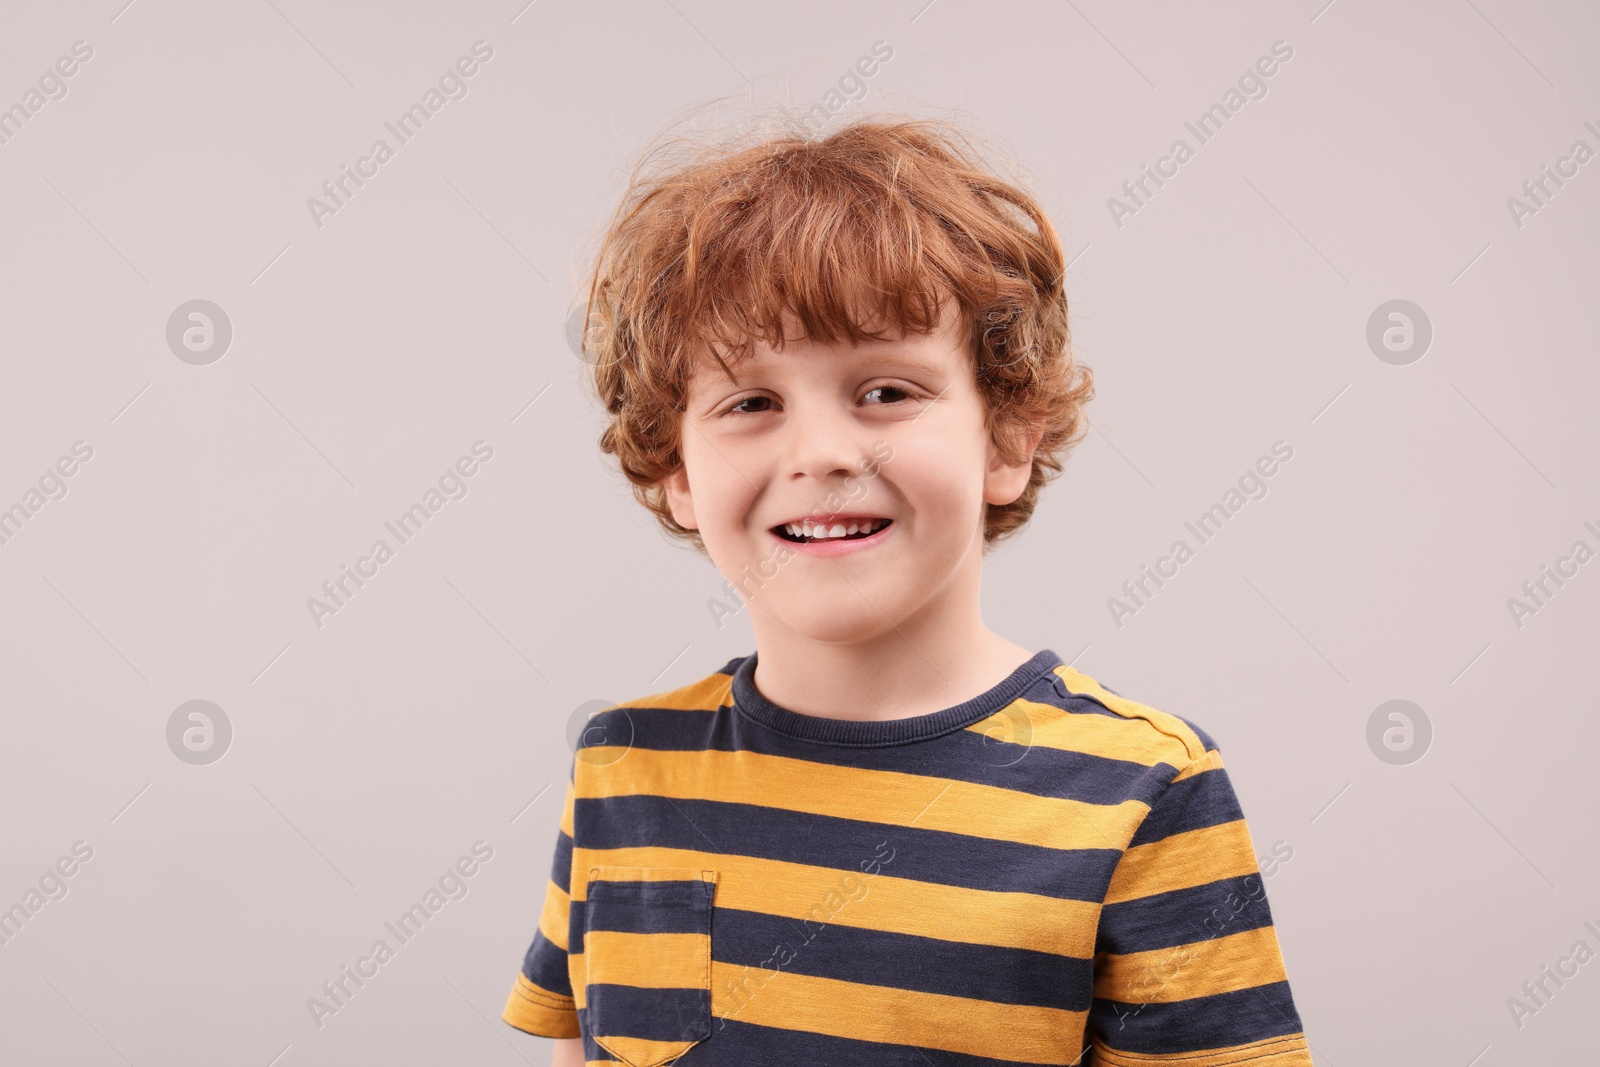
[[647, 953]]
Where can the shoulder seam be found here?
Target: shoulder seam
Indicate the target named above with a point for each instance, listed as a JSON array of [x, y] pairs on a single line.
[[1079, 684]]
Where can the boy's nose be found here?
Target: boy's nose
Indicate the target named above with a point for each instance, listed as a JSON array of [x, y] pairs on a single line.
[[823, 441]]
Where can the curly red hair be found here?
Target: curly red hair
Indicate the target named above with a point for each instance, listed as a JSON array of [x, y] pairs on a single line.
[[880, 222]]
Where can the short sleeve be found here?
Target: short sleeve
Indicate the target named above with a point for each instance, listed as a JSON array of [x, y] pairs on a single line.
[[1187, 968], [541, 1000]]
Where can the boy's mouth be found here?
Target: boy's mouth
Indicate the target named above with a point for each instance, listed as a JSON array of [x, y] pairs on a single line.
[[811, 531]]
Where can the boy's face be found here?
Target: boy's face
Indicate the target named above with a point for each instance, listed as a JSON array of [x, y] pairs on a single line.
[[832, 435]]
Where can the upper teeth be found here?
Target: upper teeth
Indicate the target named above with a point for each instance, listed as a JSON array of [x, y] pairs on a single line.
[[838, 529]]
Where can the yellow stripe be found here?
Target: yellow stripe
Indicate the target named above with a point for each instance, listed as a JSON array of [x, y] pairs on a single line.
[[1171, 725], [553, 919], [1182, 861], [540, 1011], [566, 810], [791, 1001], [708, 694], [1286, 1051], [894, 798], [1026, 722], [524, 987], [884, 902], [1200, 969], [649, 961], [1211, 761]]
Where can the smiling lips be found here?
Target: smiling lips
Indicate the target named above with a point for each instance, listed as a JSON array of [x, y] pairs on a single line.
[[841, 527]]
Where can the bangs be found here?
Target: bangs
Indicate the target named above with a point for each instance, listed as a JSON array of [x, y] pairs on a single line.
[[823, 255]]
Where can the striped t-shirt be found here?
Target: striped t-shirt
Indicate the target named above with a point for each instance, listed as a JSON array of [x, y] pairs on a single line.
[[1044, 870]]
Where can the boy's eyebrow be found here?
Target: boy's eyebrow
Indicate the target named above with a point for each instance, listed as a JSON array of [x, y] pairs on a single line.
[[904, 358], [892, 354]]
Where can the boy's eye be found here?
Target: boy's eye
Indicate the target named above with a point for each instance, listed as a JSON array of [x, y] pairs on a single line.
[[738, 407], [889, 389], [894, 395]]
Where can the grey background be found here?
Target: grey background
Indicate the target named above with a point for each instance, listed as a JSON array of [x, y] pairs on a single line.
[[1229, 313]]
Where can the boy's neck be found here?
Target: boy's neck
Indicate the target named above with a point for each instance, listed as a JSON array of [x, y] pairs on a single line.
[[894, 676]]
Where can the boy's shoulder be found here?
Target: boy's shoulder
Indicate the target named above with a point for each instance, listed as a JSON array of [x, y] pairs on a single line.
[[709, 693], [670, 719], [1076, 712]]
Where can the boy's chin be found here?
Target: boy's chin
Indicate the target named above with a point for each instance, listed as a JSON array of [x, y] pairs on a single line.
[[834, 624]]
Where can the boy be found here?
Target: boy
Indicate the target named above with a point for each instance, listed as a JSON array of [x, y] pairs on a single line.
[[841, 369]]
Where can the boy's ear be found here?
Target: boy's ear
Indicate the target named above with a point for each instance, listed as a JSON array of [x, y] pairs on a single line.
[[679, 501], [1004, 482]]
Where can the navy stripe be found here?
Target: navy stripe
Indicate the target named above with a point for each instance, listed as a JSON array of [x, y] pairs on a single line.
[[1235, 1018], [1162, 920], [733, 1041], [827, 841], [1201, 800], [1083, 703], [962, 755], [664, 907], [770, 943], [546, 966], [1205, 739], [561, 862], [652, 1014]]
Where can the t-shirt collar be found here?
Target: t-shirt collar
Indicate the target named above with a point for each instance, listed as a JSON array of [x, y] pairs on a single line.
[[750, 703]]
